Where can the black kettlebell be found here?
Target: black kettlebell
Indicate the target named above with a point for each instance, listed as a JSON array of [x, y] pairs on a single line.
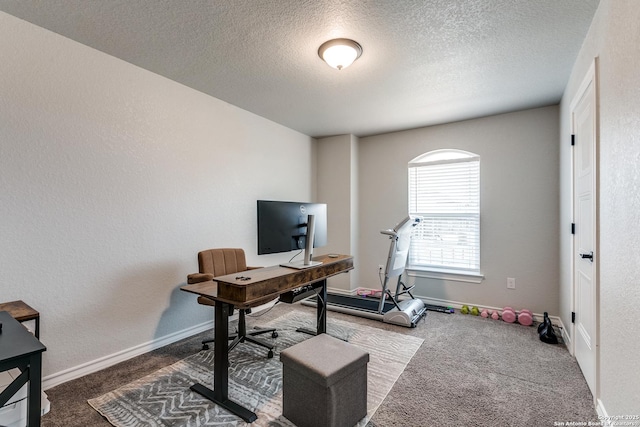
[[547, 334], [545, 323]]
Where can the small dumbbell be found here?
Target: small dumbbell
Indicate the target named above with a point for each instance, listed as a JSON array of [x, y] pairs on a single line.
[[508, 315], [525, 317]]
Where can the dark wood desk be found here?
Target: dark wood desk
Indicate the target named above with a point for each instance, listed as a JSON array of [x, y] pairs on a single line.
[[19, 349], [22, 313], [262, 285]]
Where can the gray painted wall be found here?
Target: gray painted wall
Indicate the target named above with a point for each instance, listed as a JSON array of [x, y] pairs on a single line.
[[337, 186], [519, 205], [614, 37], [112, 179]]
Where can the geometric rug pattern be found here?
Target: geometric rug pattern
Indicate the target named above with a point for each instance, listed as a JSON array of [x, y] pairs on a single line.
[[163, 398]]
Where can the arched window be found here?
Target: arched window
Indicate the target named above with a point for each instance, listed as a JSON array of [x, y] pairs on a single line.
[[444, 189]]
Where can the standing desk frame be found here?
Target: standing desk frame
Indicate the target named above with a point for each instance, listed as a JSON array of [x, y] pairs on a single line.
[[250, 289]]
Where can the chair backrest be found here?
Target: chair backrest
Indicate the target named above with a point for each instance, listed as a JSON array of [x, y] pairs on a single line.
[[220, 262]]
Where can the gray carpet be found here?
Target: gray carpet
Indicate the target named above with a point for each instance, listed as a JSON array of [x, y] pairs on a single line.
[[164, 398], [472, 371], [469, 371]]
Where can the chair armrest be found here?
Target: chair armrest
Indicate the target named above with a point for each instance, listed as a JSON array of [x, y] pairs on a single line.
[[199, 277]]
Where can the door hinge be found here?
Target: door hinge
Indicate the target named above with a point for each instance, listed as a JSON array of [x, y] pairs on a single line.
[[573, 228], [573, 139], [573, 317]]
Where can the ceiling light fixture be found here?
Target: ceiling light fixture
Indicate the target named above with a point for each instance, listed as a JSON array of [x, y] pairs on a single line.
[[340, 53]]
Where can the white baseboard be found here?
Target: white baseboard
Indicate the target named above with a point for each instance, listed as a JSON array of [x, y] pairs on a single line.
[[566, 338], [538, 317], [602, 413], [104, 362]]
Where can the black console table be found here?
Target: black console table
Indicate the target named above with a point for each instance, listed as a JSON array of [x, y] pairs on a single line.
[[19, 349]]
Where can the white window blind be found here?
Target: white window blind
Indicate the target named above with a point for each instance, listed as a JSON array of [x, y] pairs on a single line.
[[444, 189]]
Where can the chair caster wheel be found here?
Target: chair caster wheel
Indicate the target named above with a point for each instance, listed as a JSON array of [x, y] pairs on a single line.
[[270, 354], [205, 347], [274, 334]]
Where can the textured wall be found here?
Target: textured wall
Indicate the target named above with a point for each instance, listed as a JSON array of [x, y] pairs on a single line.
[[519, 205], [615, 38], [336, 186], [112, 179]]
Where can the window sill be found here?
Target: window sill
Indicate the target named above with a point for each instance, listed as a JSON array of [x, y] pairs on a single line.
[[444, 274]]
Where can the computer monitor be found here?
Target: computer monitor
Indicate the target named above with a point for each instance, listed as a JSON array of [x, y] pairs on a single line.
[[284, 227]]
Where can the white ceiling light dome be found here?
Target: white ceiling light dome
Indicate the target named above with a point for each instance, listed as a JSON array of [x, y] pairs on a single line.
[[340, 53]]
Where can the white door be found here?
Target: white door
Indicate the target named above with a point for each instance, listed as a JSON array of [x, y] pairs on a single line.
[[584, 116]]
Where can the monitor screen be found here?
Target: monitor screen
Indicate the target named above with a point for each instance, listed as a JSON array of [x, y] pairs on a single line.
[[282, 226]]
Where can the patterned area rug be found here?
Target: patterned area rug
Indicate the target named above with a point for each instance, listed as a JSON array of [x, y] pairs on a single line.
[[164, 398]]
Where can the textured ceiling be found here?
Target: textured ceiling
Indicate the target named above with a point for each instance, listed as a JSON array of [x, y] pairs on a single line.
[[424, 62]]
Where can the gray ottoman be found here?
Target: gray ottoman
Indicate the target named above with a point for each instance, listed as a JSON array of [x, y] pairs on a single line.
[[324, 383]]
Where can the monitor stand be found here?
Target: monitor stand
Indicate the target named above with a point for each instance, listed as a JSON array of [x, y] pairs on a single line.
[[300, 265], [308, 248]]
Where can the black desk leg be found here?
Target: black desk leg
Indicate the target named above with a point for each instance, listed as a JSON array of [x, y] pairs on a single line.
[[221, 352], [321, 312], [321, 308], [220, 393], [34, 392]]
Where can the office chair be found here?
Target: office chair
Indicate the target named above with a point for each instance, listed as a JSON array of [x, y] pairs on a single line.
[[220, 262]]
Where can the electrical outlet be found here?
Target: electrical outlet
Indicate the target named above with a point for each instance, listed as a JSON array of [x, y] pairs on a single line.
[[511, 283]]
